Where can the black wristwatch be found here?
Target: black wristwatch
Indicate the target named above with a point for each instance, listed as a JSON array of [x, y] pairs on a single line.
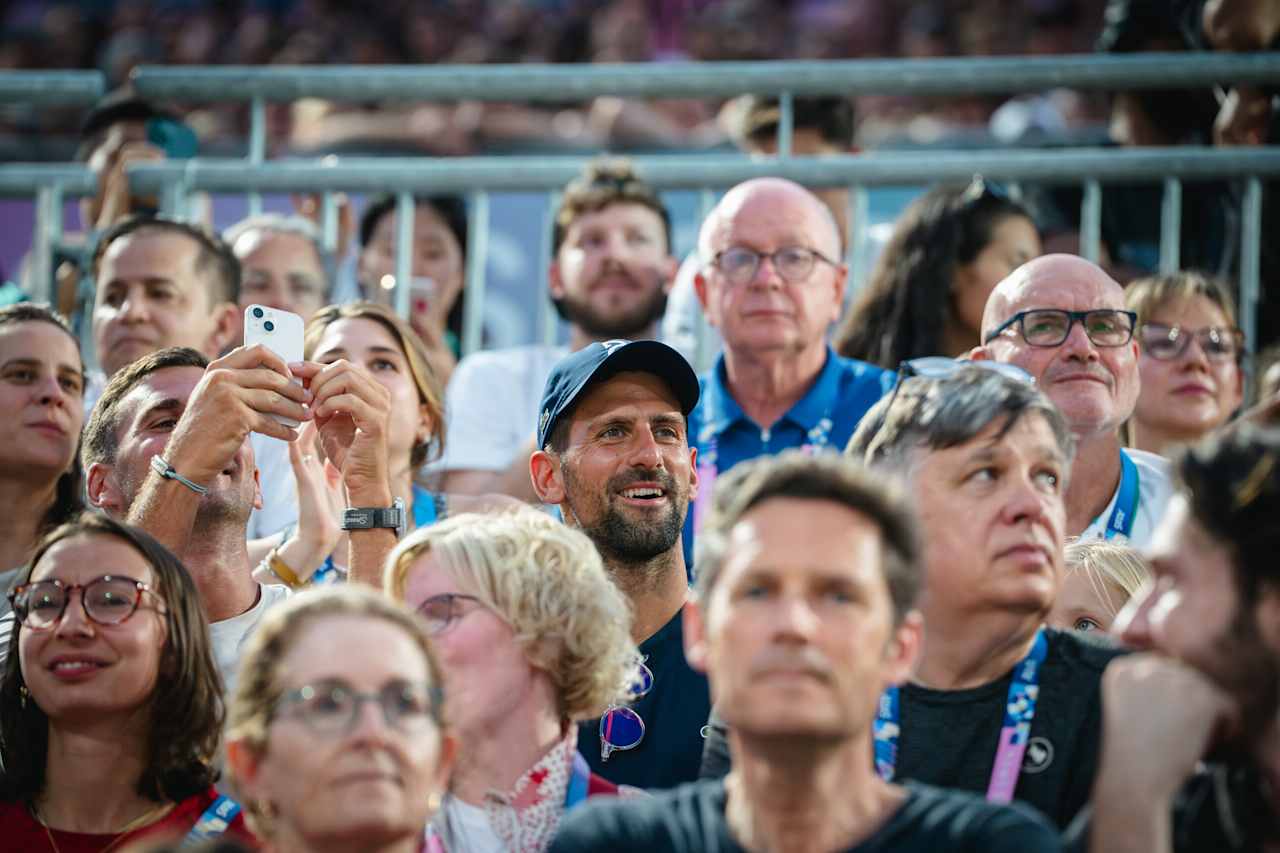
[[368, 518]]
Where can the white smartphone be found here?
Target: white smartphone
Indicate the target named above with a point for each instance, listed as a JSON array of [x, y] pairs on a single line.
[[280, 332]]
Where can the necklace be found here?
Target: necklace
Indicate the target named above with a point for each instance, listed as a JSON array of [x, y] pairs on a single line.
[[141, 820]]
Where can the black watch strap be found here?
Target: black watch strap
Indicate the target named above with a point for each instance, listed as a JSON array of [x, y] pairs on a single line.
[[370, 518]]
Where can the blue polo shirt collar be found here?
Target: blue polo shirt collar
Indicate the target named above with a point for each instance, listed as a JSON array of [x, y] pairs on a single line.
[[722, 411]]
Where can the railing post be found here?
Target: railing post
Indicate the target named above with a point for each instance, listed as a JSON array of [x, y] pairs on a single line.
[[1171, 226], [1091, 221], [404, 253], [1250, 267], [477, 258], [548, 331], [48, 232], [257, 144], [859, 212]]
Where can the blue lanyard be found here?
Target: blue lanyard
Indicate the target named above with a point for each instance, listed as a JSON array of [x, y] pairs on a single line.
[[1126, 509], [424, 507], [578, 781], [214, 821], [816, 440], [1020, 710]]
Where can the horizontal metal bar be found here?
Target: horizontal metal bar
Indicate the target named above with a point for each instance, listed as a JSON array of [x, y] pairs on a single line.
[[558, 83], [51, 87], [1058, 166], [19, 179]]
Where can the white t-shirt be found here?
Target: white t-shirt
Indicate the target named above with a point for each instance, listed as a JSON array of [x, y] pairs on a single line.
[[229, 634], [492, 406], [1155, 487], [279, 491]]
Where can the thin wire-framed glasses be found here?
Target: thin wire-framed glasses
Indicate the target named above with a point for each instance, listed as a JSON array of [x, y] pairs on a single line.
[[1167, 343], [106, 600], [332, 707], [441, 611], [1050, 327], [621, 727], [739, 264]]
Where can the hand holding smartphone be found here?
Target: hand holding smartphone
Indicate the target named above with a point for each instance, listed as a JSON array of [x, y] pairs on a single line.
[[280, 332]]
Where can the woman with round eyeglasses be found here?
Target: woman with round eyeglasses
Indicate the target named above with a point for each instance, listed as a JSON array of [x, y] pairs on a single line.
[[533, 638], [335, 739], [1190, 354], [110, 704]]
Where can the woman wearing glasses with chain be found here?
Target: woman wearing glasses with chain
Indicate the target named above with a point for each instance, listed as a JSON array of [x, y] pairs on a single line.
[[533, 638], [1190, 354], [110, 704], [335, 739]]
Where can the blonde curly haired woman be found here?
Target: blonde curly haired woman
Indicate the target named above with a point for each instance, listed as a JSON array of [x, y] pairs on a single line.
[[533, 638]]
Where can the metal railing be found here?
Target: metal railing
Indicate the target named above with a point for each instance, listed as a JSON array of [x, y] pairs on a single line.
[[1092, 168], [48, 88]]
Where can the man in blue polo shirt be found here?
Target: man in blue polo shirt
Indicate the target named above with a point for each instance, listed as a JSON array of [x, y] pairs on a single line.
[[772, 283]]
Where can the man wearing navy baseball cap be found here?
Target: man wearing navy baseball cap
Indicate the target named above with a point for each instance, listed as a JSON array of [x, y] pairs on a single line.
[[613, 454]]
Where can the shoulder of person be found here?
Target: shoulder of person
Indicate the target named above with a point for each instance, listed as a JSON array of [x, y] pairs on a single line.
[[1083, 651], [505, 359], [864, 372], [959, 820], [667, 820], [1150, 464]]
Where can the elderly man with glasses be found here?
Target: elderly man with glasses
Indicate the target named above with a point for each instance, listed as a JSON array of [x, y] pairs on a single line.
[[772, 283], [1063, 320]]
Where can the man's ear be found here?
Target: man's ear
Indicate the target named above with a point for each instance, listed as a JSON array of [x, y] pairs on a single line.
[[548, 484], [693, 474], [904, 648], [703, 289], [103, 491], [980, 353], [257, 487], [695, 634], [226, 330], [840, 283], [555, 284]]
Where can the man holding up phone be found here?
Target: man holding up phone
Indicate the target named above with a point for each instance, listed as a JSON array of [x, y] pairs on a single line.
[[162, 283], [167, 449]]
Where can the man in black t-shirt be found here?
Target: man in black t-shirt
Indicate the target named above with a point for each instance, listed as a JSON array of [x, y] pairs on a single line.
[[808, 572], [615, 459], [985, 458], [1210, 684]]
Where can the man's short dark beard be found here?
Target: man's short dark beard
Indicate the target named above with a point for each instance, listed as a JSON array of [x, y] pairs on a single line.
[[595, 324], [620, 541], [1251, 674]]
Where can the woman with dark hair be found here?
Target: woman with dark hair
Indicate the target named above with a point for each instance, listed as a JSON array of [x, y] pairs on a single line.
[[437, 273], [376, 339], [110, 703], [948, 251], [41, 413]]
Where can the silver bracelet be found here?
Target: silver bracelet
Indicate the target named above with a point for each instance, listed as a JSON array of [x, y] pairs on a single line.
[[164, 469]]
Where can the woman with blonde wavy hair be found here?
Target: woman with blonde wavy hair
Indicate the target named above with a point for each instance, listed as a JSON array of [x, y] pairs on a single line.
[[533, 637]]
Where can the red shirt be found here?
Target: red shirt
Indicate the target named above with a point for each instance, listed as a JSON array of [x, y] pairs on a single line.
[[20, 831]]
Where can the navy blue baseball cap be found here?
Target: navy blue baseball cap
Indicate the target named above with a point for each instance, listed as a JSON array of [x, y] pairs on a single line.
[[594, 363]]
